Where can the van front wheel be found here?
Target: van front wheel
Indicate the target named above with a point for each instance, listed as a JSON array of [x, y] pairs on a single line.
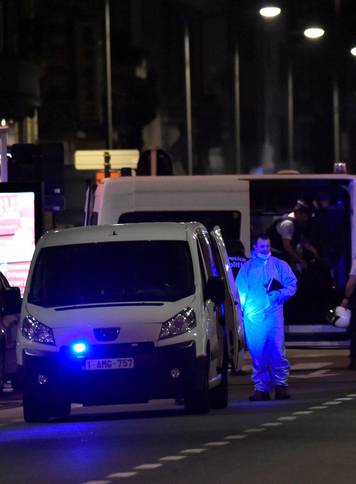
[[219, 396], [197, 401], [33, 410]]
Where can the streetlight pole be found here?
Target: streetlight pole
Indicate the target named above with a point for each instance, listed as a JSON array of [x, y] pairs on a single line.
[[269, 12], [336, 119], [290, 89], [108, 75], [237, 109], [188, 96], [3, 152]]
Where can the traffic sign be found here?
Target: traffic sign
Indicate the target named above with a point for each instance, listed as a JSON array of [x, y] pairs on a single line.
[[95, 159]]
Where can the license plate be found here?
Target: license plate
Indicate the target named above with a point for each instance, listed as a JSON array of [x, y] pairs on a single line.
[[109, 364]]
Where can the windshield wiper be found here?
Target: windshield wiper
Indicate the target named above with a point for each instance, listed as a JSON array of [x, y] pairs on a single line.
[[113, 304]]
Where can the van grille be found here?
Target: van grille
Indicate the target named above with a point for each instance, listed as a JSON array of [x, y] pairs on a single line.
[[106, 334], [114, 350]]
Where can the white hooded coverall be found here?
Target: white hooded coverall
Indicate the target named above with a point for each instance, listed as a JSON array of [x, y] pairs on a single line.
[[263, 318]]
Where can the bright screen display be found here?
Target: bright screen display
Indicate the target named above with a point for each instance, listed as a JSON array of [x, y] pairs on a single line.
[[17, 236]]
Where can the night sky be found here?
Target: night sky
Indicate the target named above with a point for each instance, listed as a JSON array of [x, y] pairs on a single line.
[[64, 42]]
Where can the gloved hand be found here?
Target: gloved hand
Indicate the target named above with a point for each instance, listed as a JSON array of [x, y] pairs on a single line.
[[274, 296]]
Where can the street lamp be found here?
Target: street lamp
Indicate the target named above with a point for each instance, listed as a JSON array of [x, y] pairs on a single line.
[[270, 11], [314, 32], [353, 51]]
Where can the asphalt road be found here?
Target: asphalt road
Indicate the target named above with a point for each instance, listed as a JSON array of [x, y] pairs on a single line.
[[310, 438]]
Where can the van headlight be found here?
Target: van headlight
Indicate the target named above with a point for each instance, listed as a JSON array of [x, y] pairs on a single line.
[[178, 324], [35, 331]]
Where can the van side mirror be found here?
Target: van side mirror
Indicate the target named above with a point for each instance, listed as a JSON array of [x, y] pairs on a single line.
[[11, 301], [215, 290]]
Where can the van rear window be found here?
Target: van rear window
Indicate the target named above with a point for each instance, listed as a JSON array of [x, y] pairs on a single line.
[[159, 270]]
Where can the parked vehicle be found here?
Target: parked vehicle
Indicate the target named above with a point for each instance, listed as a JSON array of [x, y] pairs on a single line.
[[128, 313], [244, 205], [10, 303]]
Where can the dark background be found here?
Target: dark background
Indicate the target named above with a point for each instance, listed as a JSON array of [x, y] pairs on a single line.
[[53, 82]]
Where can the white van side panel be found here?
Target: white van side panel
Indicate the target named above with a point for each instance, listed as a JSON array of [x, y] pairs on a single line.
[[209, 192]]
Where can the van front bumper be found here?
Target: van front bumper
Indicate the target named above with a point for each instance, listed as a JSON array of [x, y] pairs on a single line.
[[158, 372]]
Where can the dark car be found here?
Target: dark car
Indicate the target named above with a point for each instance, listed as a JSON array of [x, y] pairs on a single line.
[[9, 317]]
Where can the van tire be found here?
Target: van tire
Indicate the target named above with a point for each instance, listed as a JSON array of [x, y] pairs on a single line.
[[33, 411], [62, 409], [219, 396], [197, 401]]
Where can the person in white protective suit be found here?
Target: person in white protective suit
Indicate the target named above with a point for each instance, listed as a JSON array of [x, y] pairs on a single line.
[[264, 284]]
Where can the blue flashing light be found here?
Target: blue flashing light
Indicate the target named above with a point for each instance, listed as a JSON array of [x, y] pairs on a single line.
[[79, 348]]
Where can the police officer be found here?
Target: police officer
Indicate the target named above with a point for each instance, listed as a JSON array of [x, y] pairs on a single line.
[[264, 284], [288, 236], [237, 256]]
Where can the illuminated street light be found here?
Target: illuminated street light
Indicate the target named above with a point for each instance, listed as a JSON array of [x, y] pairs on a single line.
[[311, 33], [353, 51], [270, 11], [314, 32]]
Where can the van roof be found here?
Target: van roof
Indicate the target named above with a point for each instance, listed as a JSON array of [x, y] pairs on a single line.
[[132, 231]]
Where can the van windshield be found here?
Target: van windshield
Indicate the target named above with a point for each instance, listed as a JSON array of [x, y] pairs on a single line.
[[229, 221], [159, 270]]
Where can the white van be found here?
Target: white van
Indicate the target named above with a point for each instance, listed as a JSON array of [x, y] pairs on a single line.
[[128, 313], [222, 200]]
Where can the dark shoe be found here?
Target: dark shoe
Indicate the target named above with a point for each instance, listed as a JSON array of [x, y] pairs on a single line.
[[352, 365], [259, 396], [281, 393]]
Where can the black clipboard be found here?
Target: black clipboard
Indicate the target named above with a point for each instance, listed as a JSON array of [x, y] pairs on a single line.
[[273, 285]]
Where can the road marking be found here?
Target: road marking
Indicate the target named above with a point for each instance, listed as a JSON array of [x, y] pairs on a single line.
[[216, 444], [122, 475], [193, 451], [226, 440], [315, 374], [235, 437], [97, 482], [272, 424], [145, 467], [173, 457], [309, 366]]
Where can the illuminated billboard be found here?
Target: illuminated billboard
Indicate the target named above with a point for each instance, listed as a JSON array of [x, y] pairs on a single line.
[[18, 232]]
